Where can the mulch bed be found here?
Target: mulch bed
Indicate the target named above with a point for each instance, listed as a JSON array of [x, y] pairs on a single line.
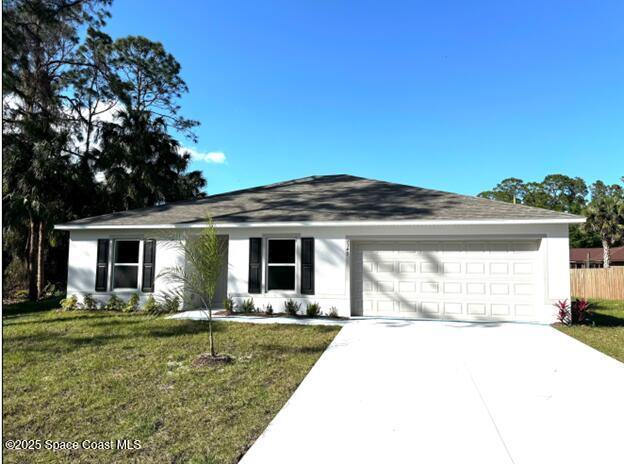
[[205, 359]]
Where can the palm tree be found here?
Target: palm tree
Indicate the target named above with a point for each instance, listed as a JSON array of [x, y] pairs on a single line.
[[605, 216], [197, 279]]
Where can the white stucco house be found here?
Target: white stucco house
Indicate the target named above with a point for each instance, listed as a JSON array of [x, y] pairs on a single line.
[[365, 247]]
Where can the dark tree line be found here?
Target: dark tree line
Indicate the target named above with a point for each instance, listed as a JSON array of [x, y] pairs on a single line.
[[89, 126], [601, 204]]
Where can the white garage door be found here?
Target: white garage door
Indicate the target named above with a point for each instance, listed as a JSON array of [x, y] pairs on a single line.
[[493, 280]]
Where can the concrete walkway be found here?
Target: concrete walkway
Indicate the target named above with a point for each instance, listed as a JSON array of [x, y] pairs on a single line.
[[201, 315], [442, 392]]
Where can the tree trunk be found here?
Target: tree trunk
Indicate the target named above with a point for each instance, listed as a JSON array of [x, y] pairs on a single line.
[[31, 262], [212, 347], [40, 259], [606, 258]]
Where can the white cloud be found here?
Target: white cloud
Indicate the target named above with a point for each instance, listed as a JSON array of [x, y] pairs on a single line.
[[217, 157]]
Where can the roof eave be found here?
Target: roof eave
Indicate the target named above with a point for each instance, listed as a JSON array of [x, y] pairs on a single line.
[[224, 225]]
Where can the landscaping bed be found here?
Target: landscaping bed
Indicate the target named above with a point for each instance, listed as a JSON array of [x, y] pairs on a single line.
[[103, 376]]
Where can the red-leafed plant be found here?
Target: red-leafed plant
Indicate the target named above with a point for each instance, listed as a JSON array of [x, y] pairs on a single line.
[[563, 311], [580, 311]]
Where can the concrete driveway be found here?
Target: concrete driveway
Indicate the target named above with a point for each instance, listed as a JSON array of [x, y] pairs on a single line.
[[440, 392]]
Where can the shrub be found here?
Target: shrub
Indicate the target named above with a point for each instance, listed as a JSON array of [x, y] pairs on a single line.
[[563, 311], [269, 309], [291, 307], [248, 306], [89, 303], [70, 303], [151, 306], [51, 290], [132, 304], [115, 303], [333, 312], [170, 305], [229, 305], [580, 311], [21, 294], [313, 309]]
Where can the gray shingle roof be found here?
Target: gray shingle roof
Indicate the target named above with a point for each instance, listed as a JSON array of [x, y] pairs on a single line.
[[326, 198]]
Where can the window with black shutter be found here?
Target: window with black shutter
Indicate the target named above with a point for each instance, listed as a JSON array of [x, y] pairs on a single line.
[[281, 264], [126, 264]]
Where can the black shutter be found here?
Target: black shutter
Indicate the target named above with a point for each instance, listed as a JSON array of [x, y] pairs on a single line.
[[101, 272], [149, 260], [255, 265], [307, 266]]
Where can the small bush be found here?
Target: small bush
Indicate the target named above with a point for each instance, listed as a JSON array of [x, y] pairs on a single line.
[[229, 305], [51, 290], [70, 303], [291, 307], [333, 312], [151, 306], [89, 303], [269, 309], [248, 306], [580, 311], [21, 294], [132, 304], [115, 303], [170, 305], [313, 309], [563, 311]]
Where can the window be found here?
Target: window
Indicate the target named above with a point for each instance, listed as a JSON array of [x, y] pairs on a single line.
[[126, 264], [281, 264]]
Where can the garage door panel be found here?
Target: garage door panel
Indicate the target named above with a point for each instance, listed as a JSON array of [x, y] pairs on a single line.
[[481, 280], [451, 268], [477, 308], [452, 308]]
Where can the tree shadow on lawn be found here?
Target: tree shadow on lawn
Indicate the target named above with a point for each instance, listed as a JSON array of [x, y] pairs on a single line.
[[28, 307], [277, 348], [61, 317], [607, 320], [54, 341]]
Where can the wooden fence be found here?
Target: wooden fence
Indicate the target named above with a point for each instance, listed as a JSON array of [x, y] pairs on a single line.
[[602, 283]]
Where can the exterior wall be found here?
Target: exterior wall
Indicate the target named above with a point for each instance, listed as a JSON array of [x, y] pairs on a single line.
[[332, 260], [83, 259], [330, 272]]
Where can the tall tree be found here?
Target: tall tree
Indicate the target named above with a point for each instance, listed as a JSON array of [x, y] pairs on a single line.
[[78, 107], [556, 192], [510, 190], [41, 37], [142, 164], [147, 80], [605, 216]]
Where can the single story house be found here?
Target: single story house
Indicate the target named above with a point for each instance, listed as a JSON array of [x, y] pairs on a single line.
[[364, 247], [581, 258]]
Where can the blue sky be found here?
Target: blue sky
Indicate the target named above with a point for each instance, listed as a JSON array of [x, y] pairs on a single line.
[[451, 95]]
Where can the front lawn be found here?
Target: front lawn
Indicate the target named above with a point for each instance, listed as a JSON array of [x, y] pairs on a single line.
[[608, 333], [102, 376]]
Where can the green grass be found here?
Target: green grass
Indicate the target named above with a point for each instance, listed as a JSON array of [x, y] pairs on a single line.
[[103, 376], [608, 333]]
